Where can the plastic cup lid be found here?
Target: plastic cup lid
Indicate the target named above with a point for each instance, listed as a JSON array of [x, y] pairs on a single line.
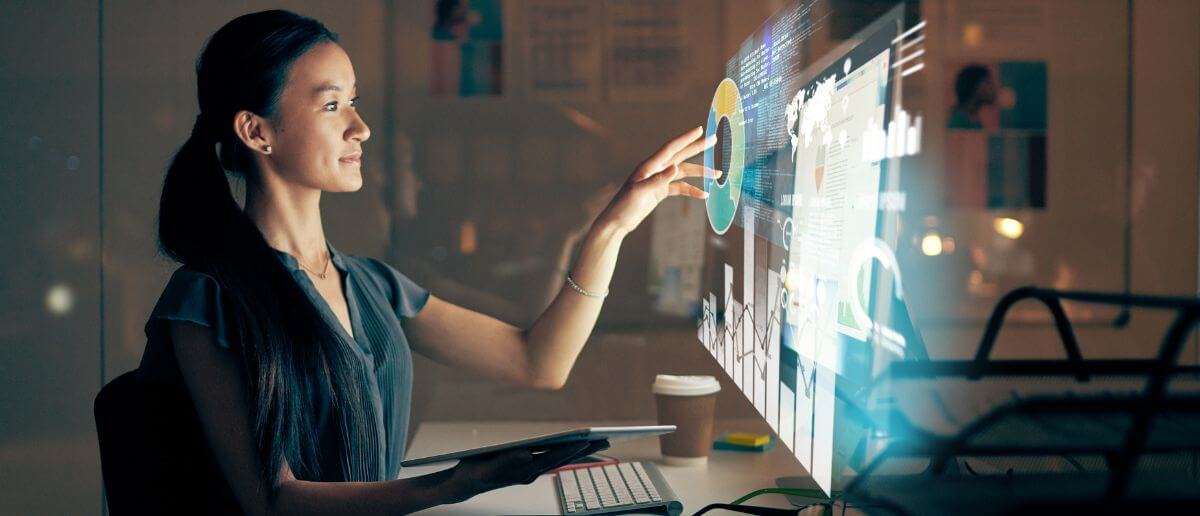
[[685, 385]]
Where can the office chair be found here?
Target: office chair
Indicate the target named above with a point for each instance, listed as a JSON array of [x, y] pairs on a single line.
[[153, 453]]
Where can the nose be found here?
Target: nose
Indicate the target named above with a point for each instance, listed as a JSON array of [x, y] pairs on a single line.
[[358, 129]]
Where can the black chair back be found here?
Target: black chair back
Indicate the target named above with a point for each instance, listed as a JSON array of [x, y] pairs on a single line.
[[153, 453]]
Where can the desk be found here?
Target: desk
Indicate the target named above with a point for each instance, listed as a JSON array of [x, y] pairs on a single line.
[[727, 476]]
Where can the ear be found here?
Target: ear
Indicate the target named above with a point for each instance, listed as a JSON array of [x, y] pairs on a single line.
[[254, 131]]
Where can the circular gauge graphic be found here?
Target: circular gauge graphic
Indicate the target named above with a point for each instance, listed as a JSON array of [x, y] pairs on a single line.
[[873, 249], [725, 192]]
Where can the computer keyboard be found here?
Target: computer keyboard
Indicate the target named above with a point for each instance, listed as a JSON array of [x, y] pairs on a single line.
[[621, 487]]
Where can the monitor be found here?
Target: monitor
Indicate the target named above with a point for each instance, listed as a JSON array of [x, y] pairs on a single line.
[[804, 305]]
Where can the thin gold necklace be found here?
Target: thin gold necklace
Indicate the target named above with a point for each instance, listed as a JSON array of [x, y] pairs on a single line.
[[324, 271]]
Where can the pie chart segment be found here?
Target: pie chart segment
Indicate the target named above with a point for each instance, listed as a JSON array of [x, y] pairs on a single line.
[[723, 197]]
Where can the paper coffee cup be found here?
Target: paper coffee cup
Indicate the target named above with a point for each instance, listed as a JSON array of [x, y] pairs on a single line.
[[688, 402]]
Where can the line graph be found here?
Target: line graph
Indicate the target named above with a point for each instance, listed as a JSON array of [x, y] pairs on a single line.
[[714, 335], [731, 330], [744, 337]]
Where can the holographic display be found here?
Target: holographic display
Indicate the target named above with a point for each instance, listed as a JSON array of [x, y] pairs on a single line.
[[807, 316]]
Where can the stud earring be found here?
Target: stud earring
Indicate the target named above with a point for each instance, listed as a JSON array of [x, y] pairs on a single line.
[[267, 149]]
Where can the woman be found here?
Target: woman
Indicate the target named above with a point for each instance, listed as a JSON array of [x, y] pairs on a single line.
[[297, 357]]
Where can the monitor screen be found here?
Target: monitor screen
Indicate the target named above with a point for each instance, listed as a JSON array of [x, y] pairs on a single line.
[[804, 305]]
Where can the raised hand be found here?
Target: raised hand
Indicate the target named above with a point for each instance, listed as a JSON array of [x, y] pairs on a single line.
[[660, 177]]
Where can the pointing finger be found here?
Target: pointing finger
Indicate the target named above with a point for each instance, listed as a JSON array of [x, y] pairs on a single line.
[[665, 155], [694, 148], [687, 190], [694, 170]]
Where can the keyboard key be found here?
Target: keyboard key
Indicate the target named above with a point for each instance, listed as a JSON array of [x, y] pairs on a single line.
[[618, 485], [570, 487], [585, 482], [630, 474], [601, 481], [611, 471], [641, 473]]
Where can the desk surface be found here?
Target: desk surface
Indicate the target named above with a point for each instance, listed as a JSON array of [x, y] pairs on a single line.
[[727, 476]]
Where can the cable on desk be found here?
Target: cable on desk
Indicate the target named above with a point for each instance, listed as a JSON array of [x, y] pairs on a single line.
[[807, 493], [753, 509], [736, 506]]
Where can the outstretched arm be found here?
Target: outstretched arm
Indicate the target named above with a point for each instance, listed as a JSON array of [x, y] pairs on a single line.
[[542, 355]]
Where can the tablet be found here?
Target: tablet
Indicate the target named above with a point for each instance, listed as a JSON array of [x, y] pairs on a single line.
[[611, 433]]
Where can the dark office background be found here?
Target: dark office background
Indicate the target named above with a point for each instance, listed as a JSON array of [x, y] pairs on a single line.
[[476, 195]]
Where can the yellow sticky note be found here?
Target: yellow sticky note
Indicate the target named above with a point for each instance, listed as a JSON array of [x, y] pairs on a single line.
[[746, 439]]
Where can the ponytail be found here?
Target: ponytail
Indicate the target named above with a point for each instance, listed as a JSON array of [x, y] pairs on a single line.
[[196, 204]]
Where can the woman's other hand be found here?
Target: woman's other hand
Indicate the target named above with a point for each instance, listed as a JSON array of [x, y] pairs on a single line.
[[484, 473], [659, 177]]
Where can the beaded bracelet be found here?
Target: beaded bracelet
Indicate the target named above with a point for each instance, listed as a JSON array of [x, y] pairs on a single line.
[[580, 290]]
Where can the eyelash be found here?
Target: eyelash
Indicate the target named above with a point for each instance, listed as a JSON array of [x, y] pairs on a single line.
[[353, 103]]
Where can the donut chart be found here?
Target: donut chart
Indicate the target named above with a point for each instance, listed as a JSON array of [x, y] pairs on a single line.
[[723, 199]]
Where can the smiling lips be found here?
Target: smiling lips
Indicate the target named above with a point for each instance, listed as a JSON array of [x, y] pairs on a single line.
[[352, 158]]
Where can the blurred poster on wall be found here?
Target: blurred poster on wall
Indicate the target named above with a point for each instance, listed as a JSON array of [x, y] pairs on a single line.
[[646, 48], [468, 48], [563, 52], [677, 256], [996, 136]]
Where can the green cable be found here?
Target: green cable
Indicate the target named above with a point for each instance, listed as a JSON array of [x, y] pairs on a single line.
[[807, 493]]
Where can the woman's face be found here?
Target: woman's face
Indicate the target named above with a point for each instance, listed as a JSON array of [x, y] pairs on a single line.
[[318, 135]]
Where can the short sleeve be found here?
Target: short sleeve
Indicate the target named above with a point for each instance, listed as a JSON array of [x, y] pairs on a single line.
[[405, 295], [195, 297]]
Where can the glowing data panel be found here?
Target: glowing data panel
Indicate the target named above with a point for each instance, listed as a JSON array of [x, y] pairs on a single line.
[[806, 302], [725, 192]]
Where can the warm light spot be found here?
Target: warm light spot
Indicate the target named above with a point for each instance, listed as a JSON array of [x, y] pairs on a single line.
[[948, 245], [79, 250], [979, 256], [1009, 227], [931, 245], [60, 300], [467, 241], [972, 35], [792, 279]]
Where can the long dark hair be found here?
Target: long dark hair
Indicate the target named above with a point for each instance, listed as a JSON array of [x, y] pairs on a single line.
[[290, 352]]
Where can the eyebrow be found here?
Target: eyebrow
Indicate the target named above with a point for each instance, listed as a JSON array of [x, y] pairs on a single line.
[[329, 86]]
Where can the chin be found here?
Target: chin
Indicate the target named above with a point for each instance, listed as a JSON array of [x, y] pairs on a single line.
[[343, 185], [348, 181]]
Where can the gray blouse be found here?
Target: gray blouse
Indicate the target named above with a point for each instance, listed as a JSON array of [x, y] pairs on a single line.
[[379, 298]]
